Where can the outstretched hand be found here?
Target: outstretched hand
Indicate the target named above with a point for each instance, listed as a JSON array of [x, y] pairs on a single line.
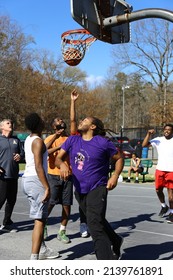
[[74, 95]]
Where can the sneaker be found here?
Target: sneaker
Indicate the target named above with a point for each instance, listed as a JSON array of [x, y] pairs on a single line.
[[163, 211], [116, 249], [84, 230], [47, 253], [128, 181], [9, 228], [61, 236], [170, 218], [136, 181], [45, 232]]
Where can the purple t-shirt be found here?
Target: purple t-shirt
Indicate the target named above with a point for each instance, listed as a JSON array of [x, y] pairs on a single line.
[[89, 161]]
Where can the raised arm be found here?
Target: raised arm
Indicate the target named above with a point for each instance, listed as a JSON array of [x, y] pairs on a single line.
[[73, 123], [145, 142], [50, 142]]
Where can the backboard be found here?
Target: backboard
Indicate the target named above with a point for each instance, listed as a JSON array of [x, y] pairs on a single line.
[[90, 14]]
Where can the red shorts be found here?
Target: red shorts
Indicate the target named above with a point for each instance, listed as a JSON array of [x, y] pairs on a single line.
[[163, 179]]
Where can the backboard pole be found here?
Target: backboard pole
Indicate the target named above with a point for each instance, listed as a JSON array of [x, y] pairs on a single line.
[[134, 16]]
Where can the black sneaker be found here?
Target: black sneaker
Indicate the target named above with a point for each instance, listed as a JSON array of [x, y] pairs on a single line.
[[170, 218], [8, 228], [116, 249], [136, 181], [128, 181], [163, 211]]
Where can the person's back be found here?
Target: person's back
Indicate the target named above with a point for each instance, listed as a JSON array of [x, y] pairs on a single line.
[[30, 169], [35, 185]]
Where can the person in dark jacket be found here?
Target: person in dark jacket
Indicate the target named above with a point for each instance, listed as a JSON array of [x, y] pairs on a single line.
[[11, 152]]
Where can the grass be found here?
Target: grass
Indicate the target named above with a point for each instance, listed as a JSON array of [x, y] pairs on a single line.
[[148, 177], [21, 166]]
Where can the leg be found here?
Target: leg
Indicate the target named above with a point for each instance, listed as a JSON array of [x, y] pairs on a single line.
[[160, 183], [95, 213], [66, 201], [12, 187], [170, 197], [137, 177], [37, 236], [129, 172], [100, 230], [169, 185], [82, 216], [83, 224], [66, 210], [160, 194], [3, 192]]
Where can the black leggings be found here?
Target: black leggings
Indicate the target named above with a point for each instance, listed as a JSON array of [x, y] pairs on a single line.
[[8, 193]]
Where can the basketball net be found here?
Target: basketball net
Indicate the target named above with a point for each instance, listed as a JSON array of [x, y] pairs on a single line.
[[74, 44]]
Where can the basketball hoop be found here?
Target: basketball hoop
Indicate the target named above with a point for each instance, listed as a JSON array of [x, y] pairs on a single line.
[[74, 44]]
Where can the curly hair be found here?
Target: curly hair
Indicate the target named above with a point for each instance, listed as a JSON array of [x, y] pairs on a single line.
[[33, 122]]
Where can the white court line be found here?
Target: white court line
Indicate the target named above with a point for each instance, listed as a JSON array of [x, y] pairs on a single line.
[[150, 232]]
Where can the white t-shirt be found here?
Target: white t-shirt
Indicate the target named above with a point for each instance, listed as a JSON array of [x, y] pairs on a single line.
[[165, 153], [29, 157]]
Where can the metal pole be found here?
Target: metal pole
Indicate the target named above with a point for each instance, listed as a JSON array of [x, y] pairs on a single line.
[[123, 106], [123, 91], [141, 14]]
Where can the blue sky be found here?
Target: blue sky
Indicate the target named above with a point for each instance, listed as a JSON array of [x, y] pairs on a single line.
[[46, 20]]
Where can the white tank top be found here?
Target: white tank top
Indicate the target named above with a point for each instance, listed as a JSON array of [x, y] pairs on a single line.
[[29, 158]]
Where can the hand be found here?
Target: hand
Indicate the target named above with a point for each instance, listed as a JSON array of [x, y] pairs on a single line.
[[151, 131], [112, 182], [64, 172], [59, 132], [46, 196], [16, 157], [74, 95]]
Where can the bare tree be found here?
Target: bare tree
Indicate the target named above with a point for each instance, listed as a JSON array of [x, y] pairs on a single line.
[[151, 54]]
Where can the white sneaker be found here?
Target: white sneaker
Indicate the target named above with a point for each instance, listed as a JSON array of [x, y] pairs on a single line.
[[47, 253], [84, 230]]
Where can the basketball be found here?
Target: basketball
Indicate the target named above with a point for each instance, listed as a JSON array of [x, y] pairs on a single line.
[[72, 56]]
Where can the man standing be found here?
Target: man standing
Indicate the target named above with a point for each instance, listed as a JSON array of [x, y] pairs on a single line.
[[61, 191], [11, 152], [90, 153], [164, 168]]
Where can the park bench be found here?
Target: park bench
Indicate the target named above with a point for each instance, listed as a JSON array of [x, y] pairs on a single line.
[[147, 163]]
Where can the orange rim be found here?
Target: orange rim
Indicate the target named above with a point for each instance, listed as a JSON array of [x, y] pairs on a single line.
[[77, 41]]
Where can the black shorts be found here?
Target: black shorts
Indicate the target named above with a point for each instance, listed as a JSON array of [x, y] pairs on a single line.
[[61, 191]]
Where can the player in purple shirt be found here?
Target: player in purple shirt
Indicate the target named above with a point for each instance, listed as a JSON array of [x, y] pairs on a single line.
[[90, 154]]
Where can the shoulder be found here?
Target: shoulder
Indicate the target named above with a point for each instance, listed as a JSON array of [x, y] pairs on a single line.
[[48, 138]]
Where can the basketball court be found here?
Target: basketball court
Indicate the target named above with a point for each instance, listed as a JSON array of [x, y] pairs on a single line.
[[132, 211]]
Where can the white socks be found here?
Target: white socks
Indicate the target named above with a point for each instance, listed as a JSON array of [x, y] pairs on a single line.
[[62, 227]]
